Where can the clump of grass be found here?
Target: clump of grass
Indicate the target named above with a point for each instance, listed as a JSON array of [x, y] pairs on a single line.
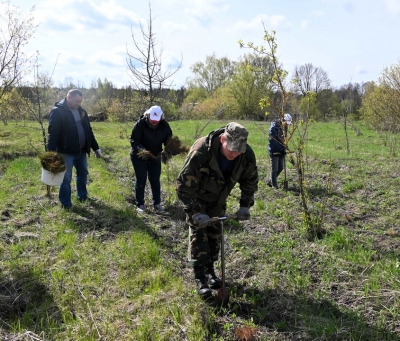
[[53, 162], [145, 154], [173, 147]]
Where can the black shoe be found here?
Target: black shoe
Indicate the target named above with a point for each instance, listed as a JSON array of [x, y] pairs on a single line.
[[269, 183], [66, 208], [88, 199], [213, 281], [202, 288]]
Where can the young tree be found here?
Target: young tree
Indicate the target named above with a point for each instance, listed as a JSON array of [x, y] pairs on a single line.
[[40, 100], [146, 67], [16, 30], [311, 218]]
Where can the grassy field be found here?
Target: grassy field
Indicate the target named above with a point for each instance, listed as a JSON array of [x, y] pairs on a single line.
[[103, 272]]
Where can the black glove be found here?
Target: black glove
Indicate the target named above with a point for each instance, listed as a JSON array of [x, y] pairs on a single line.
[[201, 220], [243, 214]]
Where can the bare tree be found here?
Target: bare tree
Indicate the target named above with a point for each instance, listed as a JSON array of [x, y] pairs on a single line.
[[16, 29], [39, 98], [310, 78], [147, 72]]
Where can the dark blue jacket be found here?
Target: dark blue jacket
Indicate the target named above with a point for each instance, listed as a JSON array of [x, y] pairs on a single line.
[[276, 145], [63, 133], [151, 138]]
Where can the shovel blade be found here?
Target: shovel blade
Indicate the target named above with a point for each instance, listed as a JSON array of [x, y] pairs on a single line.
[[286, 185], [223, 295]]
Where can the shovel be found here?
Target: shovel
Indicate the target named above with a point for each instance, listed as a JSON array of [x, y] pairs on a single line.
[[223, 292], [285, 182]]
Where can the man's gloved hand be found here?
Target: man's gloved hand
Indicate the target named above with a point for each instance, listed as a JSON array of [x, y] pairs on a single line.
[[201, 220], [98, 153], [243, 214]]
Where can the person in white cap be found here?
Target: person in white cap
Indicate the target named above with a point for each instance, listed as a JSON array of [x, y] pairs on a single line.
[[149, 134], [277, 147]]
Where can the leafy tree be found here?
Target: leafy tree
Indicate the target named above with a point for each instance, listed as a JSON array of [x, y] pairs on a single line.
[[250, 83], [16, 30], [328, 104], [218, 105], [308, 106], [351, 93], [245, 92], [146, 67], [381, 102], [211, 74], [195, 95], [11, 106], [116, 111]]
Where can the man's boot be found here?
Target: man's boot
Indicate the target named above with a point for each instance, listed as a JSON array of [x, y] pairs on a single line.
[[213, 281], [202, 282]]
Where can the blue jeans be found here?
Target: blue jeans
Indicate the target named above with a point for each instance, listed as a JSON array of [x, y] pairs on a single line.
[[79, 161], [152, 170], [277, 164]]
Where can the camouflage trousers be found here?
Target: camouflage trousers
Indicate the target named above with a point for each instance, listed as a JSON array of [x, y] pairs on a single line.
[[205, 242]]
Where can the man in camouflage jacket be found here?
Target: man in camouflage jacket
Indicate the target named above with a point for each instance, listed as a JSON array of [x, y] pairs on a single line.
[[214, 165]]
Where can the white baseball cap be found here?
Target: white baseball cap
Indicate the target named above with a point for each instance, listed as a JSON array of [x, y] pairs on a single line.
[[288, 118], [155, 113]]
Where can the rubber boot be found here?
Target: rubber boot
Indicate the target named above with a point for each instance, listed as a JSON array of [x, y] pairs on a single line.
[[203, 289], [213, 281]]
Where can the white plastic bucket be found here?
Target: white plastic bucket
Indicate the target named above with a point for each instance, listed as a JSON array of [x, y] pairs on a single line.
[[52, 179]]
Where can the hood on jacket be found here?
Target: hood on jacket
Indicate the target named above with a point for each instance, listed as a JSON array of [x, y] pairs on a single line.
[[212, 135]]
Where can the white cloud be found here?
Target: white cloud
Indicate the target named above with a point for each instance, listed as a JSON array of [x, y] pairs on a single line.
[[83, 15], [206, 12], [318, 13], [271, 22], [278, 21], [392, 6], [304, 24], [171, 28]]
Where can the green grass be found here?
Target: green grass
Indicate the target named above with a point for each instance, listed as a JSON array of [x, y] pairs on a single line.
[[101, 272]]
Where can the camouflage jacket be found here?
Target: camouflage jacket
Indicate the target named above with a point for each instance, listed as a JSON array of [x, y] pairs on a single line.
[[200, 182]]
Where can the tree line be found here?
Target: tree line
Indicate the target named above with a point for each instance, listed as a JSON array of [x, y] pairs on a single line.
[[217, 87]]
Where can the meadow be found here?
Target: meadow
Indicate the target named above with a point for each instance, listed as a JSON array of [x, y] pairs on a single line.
[[101, 271]]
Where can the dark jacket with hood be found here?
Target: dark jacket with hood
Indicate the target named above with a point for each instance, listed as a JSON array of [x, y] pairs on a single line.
[[63, 133], [276, 145], [151, 138], [201, 182]]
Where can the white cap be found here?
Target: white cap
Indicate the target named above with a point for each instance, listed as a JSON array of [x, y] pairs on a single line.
[[288, 118], [155, 113]]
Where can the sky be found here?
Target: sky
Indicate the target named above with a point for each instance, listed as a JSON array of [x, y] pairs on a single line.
[[85, 40]]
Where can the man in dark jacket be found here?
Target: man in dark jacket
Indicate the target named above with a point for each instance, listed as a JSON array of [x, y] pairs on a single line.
[[277, 148], [150, 132], [214, 165], [70, 134]]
